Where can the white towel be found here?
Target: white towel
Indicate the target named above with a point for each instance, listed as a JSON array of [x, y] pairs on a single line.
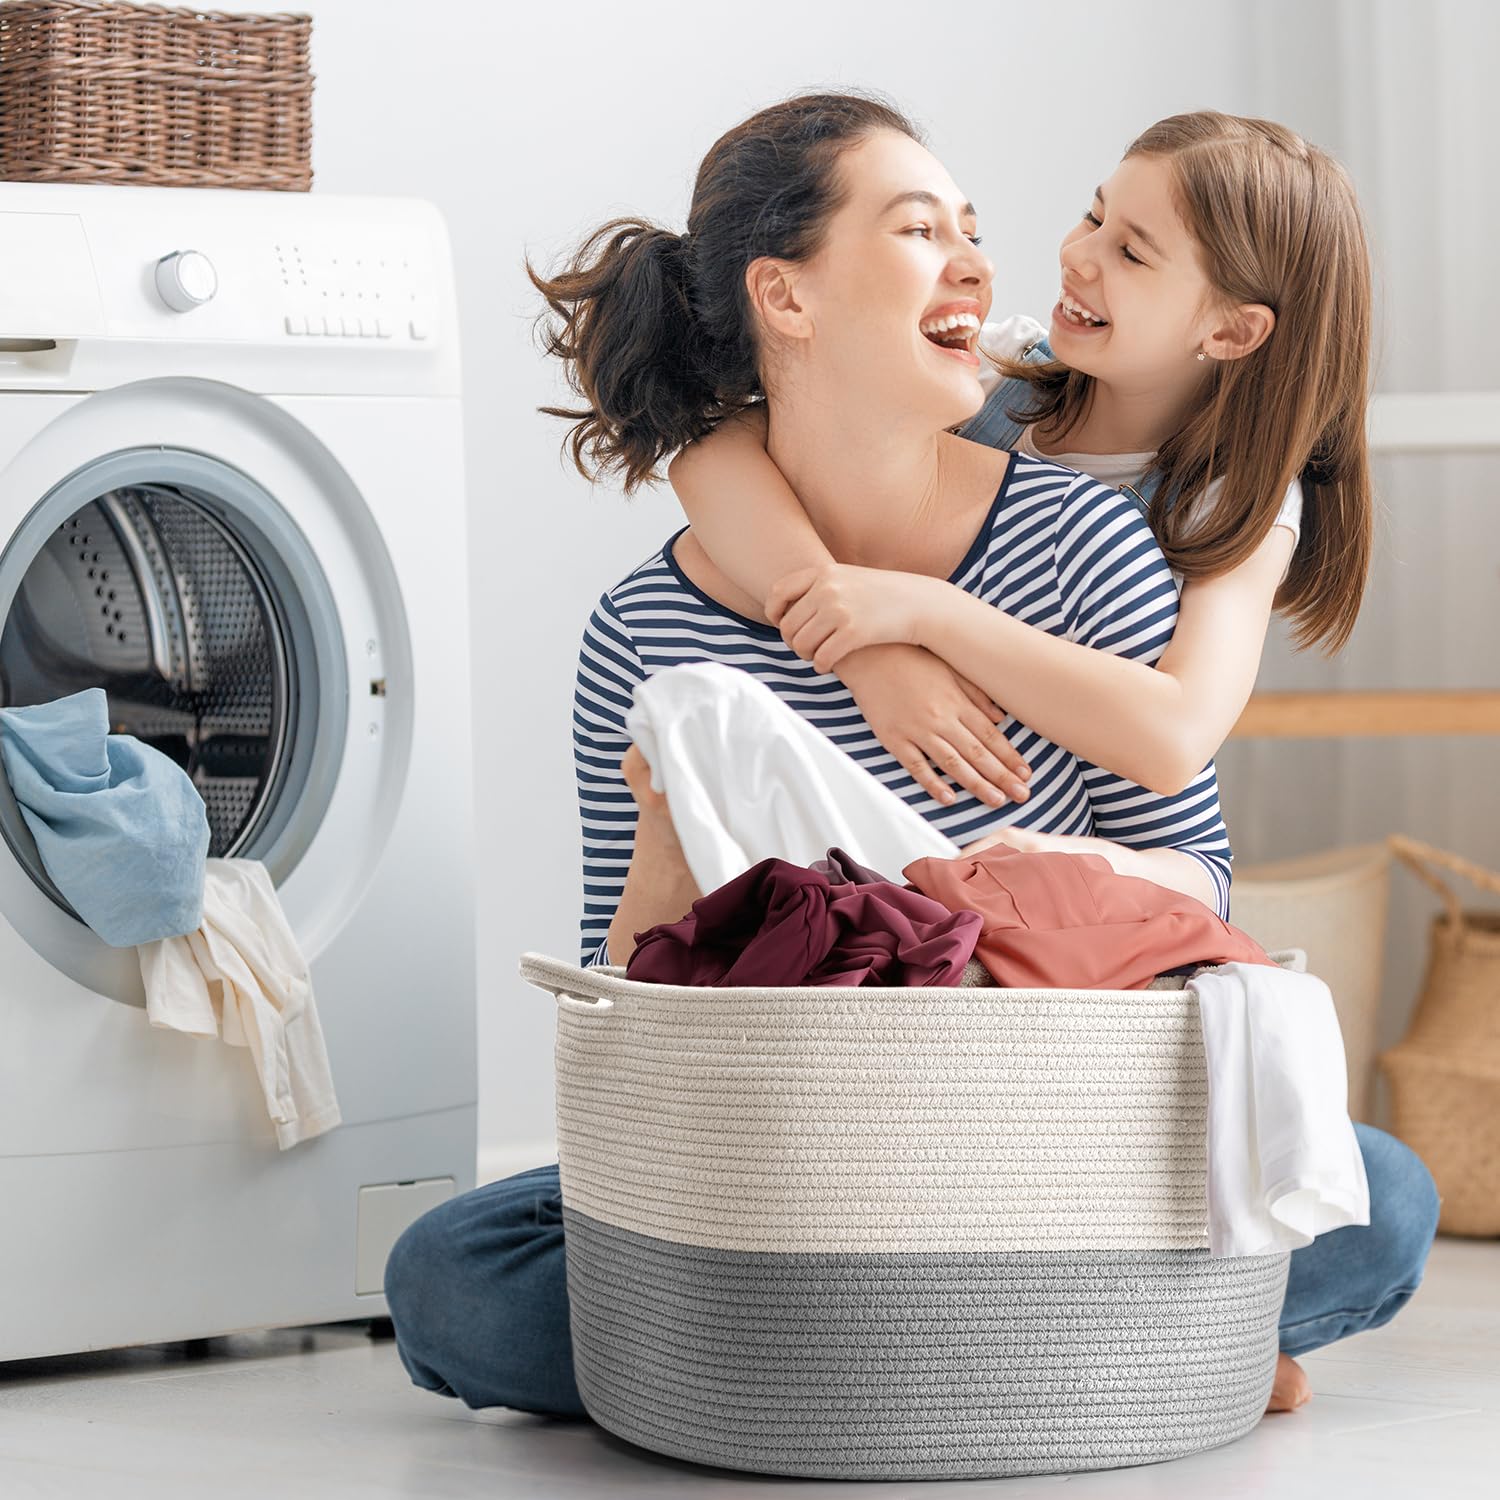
[[748, 779], [1284, 1164], [243, 968]]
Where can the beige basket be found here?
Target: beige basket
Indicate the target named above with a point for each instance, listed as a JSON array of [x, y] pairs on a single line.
[[104, 92], [1333, 906], [1445, 1073]]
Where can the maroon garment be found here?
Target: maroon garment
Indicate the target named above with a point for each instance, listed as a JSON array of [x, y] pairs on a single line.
[[781, 924], [844, 869], [1068, 921]]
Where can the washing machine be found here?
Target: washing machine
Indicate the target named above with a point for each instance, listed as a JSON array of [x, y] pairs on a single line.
[[232, 496]]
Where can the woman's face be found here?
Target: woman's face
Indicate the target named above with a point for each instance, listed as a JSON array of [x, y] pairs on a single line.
[[1136, 304], [893, 299]]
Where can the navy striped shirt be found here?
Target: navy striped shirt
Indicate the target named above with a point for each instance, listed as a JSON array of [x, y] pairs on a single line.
[[1058, 550]]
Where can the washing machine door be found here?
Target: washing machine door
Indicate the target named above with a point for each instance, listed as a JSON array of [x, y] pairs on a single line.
[[181, 580], [149, 591]]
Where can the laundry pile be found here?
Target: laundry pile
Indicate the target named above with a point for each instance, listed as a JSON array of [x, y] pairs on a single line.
[[123, 834], [752, 787]]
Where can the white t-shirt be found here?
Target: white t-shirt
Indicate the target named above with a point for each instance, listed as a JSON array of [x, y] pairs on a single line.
[[1006, 340]]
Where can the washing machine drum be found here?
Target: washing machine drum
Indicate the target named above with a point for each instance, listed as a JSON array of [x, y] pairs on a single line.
[[146, 594]]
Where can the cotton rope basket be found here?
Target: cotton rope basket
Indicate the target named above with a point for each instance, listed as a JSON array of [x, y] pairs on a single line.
[[899, 1233]]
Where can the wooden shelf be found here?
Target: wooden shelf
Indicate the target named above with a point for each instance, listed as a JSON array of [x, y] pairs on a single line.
[[1317, 716], [1417, 422], [1435, 422]]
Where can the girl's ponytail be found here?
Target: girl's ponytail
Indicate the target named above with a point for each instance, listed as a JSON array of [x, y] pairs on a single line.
[[622, 322]]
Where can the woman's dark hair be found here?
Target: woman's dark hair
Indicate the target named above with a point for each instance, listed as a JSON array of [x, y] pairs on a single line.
[[656, 328]]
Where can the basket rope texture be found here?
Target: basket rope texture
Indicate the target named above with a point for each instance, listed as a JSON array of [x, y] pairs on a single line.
[[152, 95], [898, 1233], [1445, 1073]]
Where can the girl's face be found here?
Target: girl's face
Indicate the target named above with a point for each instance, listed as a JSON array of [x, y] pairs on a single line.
[[1136, 304], [889, 307]]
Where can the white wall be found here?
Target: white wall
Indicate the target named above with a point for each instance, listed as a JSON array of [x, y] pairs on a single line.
[[1402, 94], [529, 125]]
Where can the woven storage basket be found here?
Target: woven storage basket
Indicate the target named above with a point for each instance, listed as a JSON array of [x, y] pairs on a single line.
[[103, 92], [1445, 1073], [898, 1233], [1333, 906]]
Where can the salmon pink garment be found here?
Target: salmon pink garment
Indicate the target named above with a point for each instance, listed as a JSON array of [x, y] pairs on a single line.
[[1067, 921]]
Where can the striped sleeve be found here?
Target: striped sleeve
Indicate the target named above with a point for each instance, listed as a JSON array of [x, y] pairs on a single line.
[[1118, 595], [609, 667]]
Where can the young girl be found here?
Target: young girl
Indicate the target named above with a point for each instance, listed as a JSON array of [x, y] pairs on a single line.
[[1208, 355]]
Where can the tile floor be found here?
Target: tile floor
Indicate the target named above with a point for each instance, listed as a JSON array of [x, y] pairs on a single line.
[[1411, 1410]]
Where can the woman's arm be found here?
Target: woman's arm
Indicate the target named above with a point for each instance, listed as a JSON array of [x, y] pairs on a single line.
[[634, 873], [1169, 867], [659, 887], [1156, 726]]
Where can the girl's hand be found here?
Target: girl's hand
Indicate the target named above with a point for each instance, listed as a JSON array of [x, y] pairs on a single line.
[[825, 613], [928, 716]]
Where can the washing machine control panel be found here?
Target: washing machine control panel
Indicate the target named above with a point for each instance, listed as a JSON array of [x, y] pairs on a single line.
[[366, 290], [225, 285]]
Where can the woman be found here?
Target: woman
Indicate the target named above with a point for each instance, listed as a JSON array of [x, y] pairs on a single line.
[[798, 280]]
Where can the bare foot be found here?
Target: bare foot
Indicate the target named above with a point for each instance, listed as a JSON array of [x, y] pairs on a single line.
[[1290, 1388]]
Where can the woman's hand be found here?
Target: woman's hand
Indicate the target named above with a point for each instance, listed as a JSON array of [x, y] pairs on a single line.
[[825, 613], [1174, 869], [659, 887], [650, 803], [1027, 840], [928, 716]]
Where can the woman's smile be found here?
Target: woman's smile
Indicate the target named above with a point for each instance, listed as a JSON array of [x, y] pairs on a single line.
[[953, 329]]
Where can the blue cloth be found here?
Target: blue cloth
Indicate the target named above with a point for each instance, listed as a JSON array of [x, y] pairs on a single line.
[[120, 827], [478, 1292]]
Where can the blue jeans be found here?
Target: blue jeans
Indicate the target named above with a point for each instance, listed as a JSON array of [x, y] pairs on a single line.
[[478, 1290]]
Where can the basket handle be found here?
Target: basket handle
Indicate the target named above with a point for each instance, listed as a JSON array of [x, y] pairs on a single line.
[[573, 988], [1417, 857]]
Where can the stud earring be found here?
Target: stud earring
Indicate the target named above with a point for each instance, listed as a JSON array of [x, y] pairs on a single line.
[[1202, 355]]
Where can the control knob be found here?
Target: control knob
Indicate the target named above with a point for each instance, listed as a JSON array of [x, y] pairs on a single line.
[[186, 279]]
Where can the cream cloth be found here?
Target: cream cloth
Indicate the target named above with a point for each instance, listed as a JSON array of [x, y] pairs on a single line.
[[1284, 1164], [243, 968], [748, 779]]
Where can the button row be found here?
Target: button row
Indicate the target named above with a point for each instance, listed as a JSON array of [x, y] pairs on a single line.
[[324, 325]]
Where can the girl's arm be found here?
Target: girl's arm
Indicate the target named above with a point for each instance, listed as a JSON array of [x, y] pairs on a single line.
[[746, 517], [742, 510], [1156, 726]]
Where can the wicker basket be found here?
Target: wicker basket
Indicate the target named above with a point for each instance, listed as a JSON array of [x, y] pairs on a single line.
[[894, 1233], [1445, 1073], [103, 92], [1332, 905]]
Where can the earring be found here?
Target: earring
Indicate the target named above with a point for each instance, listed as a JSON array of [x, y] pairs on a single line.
[[1202, 355]]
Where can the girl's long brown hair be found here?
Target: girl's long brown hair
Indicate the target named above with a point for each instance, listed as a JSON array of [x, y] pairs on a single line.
[[1278, 223]]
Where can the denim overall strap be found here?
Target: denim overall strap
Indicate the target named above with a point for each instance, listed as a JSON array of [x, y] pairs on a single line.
[[992, 424], [1142, 491]]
